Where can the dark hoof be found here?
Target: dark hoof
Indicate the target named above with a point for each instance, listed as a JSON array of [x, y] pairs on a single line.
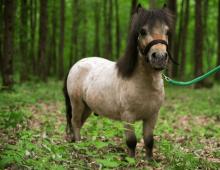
[[73, 139], [96, 114], [70, 138], [131, 153], [149, 158]]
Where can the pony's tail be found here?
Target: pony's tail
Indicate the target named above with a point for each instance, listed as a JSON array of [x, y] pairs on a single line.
[[68, 107]]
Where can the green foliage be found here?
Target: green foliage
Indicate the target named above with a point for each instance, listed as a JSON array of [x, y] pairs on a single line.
[[33, 133], [11, 119], [86, 10]]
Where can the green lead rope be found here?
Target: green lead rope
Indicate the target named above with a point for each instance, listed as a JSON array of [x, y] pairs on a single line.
[[188, 83]]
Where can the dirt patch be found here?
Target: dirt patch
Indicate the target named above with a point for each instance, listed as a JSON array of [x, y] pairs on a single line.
[[42, 112], [209, 144]]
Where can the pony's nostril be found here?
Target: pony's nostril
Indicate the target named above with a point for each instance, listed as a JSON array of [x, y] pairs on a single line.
[[159, 56], [165, 56], [154, 55]]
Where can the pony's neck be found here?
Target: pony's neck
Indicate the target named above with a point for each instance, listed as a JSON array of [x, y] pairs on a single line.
[[145, 74]]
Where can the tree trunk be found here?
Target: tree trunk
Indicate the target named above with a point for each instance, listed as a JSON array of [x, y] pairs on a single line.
[[104, 25], [1, 26], [117, 35], [33, 19], [108, 28], [133, 7], [132, 11], [8, 46], [53, 39], [198, 43], [172, 6], [84, 35], [24, 42], [207, 44], [42, 66], [178, 42], [217, 75], [152, 4], [96, 50], [61, 45], [184, 40], [53, 47], [73, 56]]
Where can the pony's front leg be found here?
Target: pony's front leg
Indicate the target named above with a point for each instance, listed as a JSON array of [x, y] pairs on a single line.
[[131, 139], [148, 127]]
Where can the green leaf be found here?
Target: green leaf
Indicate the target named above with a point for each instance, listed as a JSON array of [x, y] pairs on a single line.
[[108, 163], [6, 161], [130, 160], [100, 144]]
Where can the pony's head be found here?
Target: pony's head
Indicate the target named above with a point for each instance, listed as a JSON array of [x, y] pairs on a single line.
[[148, 38]]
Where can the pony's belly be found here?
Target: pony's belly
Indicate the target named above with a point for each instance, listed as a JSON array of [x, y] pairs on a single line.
[[109, 114], [103, 102], [105, 111]]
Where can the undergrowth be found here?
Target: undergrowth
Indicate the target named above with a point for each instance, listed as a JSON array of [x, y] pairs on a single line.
[[32, 132]]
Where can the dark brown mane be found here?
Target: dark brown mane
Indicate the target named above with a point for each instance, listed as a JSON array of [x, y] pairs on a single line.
[[127, 63]]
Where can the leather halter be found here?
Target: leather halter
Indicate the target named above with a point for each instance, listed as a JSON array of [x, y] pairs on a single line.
[[158, 41]]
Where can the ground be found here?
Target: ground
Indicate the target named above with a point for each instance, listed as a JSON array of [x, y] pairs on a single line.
[[32, 132]]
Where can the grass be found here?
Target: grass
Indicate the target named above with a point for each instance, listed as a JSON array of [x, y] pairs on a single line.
[[32, 132]]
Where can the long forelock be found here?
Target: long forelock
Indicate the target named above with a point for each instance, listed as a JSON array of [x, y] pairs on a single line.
[[151, 17]]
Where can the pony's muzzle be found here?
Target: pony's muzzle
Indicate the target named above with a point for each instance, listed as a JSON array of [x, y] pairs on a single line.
[[159, 60], [159, 56]]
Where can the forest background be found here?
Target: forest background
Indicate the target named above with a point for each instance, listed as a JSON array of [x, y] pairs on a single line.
[[41, 38]]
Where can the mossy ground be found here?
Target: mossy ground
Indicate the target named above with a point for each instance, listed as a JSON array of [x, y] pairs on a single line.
[[32, 132]]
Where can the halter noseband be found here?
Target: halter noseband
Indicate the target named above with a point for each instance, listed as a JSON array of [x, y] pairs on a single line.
[[158, 41]]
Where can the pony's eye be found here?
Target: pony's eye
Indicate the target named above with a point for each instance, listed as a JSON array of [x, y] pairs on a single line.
[[143, 32], [167, 33]]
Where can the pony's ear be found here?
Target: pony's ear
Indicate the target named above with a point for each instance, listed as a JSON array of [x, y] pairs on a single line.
[[164, 6], [138, 8]]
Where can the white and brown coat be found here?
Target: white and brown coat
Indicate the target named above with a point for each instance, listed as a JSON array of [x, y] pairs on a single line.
[[130, 89]]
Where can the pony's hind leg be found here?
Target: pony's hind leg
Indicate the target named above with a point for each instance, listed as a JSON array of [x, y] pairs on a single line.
[[78, 108], [80, 113], [86, 113]]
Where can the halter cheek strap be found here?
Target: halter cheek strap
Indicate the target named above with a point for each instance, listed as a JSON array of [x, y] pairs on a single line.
[[158, 41]]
